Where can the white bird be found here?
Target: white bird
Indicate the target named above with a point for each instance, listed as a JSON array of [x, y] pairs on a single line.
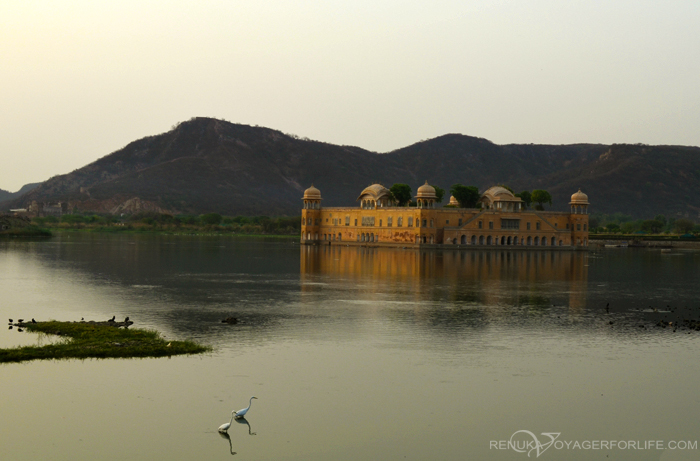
[[241, 413], [224, 427], [236, 414]]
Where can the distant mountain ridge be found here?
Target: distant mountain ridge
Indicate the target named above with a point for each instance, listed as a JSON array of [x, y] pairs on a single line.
[[209, 165], [6, 195]]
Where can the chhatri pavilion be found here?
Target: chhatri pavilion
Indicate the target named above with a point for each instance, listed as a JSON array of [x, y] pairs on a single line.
[[500, 220]]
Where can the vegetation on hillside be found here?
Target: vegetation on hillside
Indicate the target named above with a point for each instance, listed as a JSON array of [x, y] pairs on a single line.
[[206, 164]]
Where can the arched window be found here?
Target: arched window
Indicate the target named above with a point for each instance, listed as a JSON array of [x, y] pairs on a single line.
[[488, 240], [481, 240], [554, 241], [463, 240], [537, 241]]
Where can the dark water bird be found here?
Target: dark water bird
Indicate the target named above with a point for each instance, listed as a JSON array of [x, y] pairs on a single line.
[[126, 319], [230, 320], [20, 320], [20, 330], [10, 327], [10, 320], [112, 319], [33, 321]]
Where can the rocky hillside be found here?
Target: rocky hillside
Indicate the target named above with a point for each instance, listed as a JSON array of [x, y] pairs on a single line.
[[6, 195], [208, 165]]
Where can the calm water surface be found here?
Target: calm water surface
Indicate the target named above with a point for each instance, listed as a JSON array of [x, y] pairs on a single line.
[[353, 353]]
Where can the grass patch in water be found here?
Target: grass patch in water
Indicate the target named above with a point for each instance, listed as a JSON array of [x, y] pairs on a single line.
[[96, 340]]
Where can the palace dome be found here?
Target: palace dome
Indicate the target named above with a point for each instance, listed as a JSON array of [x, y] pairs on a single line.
[[501, 192], [312, 193], [579, 198], [453, 201], [426, 191], [375, 191]]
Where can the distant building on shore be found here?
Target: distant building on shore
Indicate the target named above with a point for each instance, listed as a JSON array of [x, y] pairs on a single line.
[[502, 220]]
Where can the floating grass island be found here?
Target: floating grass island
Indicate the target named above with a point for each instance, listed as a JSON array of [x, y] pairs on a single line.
[[97, 340]]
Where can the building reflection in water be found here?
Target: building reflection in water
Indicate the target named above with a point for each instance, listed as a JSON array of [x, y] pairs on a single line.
[[477, 277]]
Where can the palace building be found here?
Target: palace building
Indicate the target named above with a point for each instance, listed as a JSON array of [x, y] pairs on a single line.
[[500, 220]]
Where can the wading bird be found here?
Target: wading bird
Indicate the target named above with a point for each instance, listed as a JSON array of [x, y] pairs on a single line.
[[241, 413], [236, 414], [224, 427]]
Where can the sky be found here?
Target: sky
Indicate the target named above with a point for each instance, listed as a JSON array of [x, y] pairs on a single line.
[[81, 79]]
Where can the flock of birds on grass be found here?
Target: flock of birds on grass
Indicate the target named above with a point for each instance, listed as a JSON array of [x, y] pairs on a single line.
[[20, 322]]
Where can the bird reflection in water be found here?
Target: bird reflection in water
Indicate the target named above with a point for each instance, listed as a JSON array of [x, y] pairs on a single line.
[[224, 435], [245, 421]]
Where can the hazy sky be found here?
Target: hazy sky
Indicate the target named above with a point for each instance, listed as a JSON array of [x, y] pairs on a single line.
[[81, 79]]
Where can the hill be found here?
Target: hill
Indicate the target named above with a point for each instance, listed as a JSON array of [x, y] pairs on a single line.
[[208, 165], [6, 195]]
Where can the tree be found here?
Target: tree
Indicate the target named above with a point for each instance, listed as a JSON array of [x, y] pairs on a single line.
[[652, 225], [402, 194], [526, 197], [683, 226], [612, 227], [540, 197], [662, 219], [211, 218], [439, 193], [467, 196]]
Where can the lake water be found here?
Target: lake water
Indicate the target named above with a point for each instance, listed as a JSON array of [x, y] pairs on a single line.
[[353, 353]]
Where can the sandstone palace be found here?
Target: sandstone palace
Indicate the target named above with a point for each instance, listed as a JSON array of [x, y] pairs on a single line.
[[501, 220]]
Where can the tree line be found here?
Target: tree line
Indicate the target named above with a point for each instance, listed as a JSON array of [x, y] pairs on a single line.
[[619, 223], [209, 222]]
